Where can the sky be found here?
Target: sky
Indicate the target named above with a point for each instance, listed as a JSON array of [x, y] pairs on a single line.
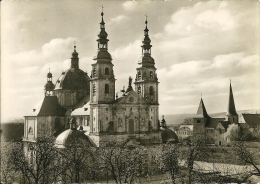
[[198, 46]]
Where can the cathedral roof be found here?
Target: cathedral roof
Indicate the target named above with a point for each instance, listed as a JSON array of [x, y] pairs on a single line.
[[51, 107], [85, 110], [73, 79], [213, 122], [202, 112], [231, 103], [131, 97]]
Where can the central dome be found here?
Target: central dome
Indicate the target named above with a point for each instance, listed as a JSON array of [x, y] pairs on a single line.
[[73, 79]]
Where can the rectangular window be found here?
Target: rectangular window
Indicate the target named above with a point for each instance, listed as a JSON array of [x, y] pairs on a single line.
[[198, 120]]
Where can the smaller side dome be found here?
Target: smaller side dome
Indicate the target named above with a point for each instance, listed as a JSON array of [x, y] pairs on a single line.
[[72, 134]]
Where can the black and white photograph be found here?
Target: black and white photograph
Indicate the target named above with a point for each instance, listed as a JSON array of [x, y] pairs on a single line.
[[138, 91]]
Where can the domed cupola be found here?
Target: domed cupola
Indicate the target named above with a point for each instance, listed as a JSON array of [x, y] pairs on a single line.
[[49, 86], [72, 85], [72, 135]]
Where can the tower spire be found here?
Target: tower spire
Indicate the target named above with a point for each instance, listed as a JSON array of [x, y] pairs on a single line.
[[102, 40], [231, 103], [75, 58], [49, 86], [146, 47], [202, 112]]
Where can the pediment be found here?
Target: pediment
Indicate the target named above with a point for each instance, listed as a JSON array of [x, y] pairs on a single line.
[[131, 98]]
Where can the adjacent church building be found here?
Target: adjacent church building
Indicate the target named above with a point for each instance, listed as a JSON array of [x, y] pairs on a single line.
[[214, 130], [94, 103]]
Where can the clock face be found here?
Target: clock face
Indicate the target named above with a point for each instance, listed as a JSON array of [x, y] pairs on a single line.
[[131, 99]]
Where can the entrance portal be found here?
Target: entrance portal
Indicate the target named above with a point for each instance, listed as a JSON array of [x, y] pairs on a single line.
[[131, 126]]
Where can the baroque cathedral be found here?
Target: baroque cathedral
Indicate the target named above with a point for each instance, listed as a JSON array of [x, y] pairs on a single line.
[[95, 105]]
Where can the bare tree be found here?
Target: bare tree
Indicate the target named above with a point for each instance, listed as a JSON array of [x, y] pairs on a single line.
[[7, 174], [126, 163], [169, 159], [40, 166], [77, 159], [193, 151], [247, 156]]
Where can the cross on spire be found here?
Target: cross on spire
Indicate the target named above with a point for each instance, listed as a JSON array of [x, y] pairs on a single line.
[[145, 18], [102, 7], [74, 45]]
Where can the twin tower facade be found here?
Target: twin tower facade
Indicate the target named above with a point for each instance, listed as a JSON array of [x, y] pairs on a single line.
[[133, 113]]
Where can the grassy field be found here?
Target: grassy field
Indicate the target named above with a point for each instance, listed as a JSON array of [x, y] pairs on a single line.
[[226, 154]]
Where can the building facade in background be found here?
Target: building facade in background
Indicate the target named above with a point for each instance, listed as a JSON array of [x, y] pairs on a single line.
[[214, 130]]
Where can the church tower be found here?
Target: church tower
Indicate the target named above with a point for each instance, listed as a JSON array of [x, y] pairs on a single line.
[[49, 86], [146, 82], [102, 84], [199, 122], [231, 115]]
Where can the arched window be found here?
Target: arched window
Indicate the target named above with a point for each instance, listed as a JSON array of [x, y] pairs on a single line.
[[106, 71], [151, 74], [139, 90], [151, 90], [106, 88], [30, 131]]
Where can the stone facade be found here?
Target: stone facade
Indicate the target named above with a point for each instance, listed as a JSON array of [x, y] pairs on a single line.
[[134, 115]]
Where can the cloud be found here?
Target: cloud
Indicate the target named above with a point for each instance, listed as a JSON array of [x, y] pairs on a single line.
[[210, 77], [16, 23], [130, 5], [25, 73], [55, 50], [117, 20]]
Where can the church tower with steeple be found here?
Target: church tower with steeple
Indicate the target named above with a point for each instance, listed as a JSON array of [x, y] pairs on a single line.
[[200, 120], [49, 86], [102, 84], [146, 82], [231, 115]]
